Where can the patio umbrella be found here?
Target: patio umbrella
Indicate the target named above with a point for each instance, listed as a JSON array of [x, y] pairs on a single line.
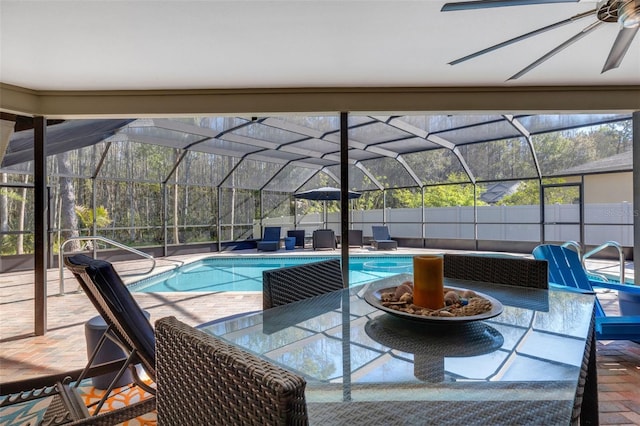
[[325, 194]]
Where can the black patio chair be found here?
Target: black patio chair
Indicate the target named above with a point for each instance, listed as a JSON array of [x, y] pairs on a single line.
[[293, 283], [355, 238], [298, 234], [324, 239], [203, 380], [127, 327], [508, 270]]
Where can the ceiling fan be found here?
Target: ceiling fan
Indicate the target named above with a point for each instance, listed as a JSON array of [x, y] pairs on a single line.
[[624, 12]]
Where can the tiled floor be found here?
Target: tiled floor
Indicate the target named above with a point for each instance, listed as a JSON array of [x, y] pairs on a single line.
[[23, 355]]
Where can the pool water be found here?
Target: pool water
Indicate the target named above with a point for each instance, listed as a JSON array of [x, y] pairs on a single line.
[[245, 273]]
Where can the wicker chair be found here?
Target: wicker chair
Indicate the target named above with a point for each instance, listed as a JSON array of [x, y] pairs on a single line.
[[355, 238], [497, 269], [324, 239], [290, 284], [530, 273], [128, 327], [298, 234], [205, 381]]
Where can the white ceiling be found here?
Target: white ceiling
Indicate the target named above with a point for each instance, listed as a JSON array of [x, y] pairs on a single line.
[[184, 44]]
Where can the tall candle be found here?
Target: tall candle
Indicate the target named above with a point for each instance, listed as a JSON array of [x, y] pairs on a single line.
[[428, 286]]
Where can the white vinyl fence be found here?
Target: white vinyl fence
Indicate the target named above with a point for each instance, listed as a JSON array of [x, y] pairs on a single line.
[[603, 222]]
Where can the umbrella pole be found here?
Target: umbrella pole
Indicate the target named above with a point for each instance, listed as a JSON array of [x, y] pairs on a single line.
[[324, 214]]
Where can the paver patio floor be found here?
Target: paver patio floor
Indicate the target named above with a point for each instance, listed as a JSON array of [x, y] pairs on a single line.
[[62, 348]]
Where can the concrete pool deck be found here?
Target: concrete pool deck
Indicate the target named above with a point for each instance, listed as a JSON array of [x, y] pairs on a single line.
[[23, 355]]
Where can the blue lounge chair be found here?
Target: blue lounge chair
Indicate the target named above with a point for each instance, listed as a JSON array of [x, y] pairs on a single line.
[[270, 239], [565, 270], [382, 239]]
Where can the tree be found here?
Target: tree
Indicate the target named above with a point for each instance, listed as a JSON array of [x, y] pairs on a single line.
[[528, 193], [451, 195], [85, 214], [176, 201], [69, 220], [406, 198], [4, 210], [7, 131], [21, 218]]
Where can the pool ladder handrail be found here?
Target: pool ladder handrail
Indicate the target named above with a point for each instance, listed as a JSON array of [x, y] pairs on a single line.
[[603, 246], [104, 240], [576, 246]]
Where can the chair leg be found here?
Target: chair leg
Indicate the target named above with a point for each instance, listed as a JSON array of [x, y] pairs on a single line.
[[73, 401], [66, 406], [589, 414], [57, 412]]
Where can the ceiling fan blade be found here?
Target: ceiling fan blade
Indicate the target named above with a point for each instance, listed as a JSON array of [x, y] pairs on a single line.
[[619, 48], [558, 49], [484, 4], [523, 36]]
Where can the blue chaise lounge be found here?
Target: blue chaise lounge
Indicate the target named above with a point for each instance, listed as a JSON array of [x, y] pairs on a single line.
[[566, 270], [270, 240]]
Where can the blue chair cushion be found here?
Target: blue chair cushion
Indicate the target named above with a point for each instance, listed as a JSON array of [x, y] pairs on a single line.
[[271, 233]]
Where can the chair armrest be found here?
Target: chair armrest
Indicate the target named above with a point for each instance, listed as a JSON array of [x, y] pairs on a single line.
[[627, 288], [618, 328], [561, 287], [49, 380]]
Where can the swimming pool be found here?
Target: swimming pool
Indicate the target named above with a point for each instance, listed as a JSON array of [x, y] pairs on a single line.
[[245, 273]]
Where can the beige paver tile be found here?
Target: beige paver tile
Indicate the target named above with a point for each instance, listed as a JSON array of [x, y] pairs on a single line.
[[63, 348]]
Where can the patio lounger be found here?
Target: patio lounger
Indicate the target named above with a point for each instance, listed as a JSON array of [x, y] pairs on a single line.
[[270, 240], [127, 326], [566, 270], [382, 239], [203, 380], [324, 239]]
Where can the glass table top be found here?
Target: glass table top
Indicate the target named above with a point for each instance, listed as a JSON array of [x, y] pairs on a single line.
[[528, 357]]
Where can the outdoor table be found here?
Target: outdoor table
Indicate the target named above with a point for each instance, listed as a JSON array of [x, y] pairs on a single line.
[[365, 366]]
